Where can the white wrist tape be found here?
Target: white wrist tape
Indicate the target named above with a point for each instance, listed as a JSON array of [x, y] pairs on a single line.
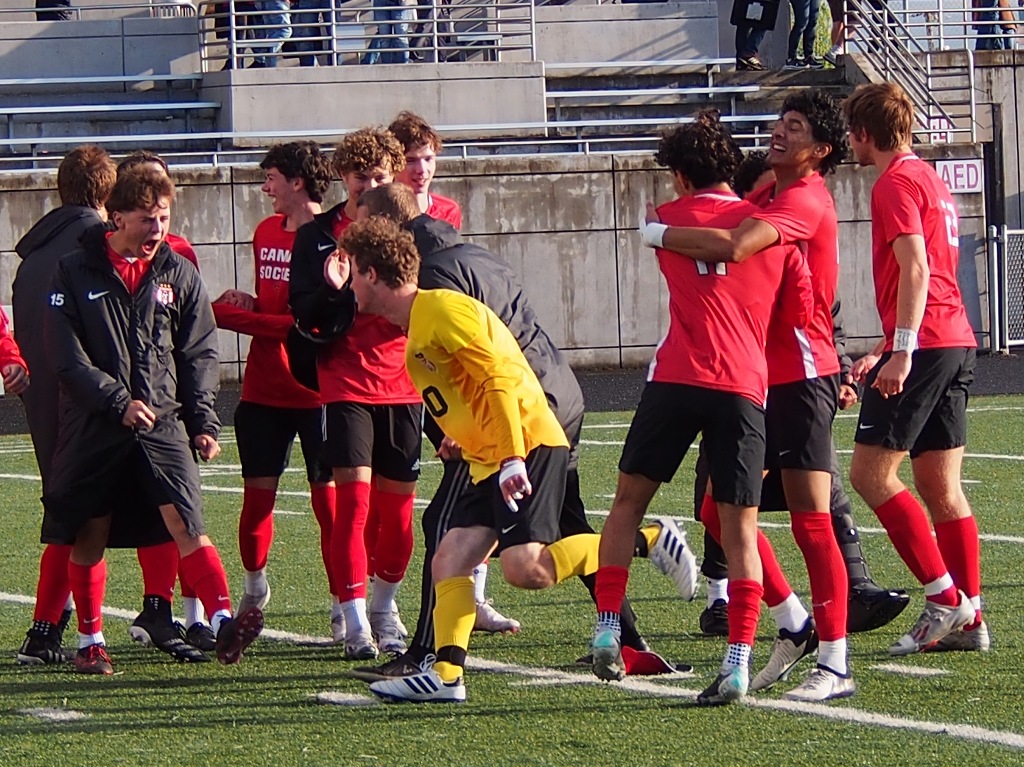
[[905, 340], [651, 232], [511, 469]]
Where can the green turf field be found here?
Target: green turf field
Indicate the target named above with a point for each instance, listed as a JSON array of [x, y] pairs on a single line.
[[528, 705]]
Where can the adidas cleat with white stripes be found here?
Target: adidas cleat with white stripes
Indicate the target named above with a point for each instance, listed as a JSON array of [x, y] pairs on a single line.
[[673, 557], [425, 687]]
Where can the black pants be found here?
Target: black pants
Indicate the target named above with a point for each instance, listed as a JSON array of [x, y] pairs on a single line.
[[436, 517], [54, 15]]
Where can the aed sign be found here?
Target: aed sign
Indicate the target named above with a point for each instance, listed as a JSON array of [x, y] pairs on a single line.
[[961, 176]]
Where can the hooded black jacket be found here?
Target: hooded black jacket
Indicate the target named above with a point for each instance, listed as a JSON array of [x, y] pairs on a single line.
[[108, 348], [55, 235]]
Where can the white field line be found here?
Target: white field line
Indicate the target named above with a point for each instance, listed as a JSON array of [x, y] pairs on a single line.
[[58, 715], [644, 687], [896, 668]]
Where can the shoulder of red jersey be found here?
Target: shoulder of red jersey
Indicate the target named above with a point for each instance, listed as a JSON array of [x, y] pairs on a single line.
[[182, 247]]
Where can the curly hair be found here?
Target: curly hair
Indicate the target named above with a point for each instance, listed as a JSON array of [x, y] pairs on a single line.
[[394, 201], [754, 165], [826, 120], [141, 157], [368, 148], [382, 244], [703, 150], [412, 131], [301, 159], [139, 189], [85, 177], [884, 112]]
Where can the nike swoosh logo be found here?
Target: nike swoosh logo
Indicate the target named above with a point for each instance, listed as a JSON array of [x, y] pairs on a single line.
[[94, 296], [863, 426], [506, 530], [354, 585], [785, 452], [322, 248]]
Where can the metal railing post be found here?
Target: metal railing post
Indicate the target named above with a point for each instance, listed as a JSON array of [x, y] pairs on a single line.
[[1004, 313], [994, 314]]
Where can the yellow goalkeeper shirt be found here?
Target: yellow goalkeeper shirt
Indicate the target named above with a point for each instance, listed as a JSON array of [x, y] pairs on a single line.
[[475, 381]]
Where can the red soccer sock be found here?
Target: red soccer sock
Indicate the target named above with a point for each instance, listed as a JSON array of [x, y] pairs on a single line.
[[88, 584], [709, 517], [905, 521], [204, 571], [186, 588], [256, 527], [159, 569], [394, 540], [827, 572], [961, 552], [371, 533], [54, 586], [348, 549], [744, 610], [323, 500], [610, 584], [776, 587]]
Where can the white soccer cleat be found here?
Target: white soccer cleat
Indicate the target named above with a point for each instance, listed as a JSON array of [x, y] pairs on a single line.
[[962, 640], [788, 649], [822, 684], [728, 687], [490, 621], [425, 687], [673, 557], [338, 628], [388, 632], [936, 622], [606, 650], [359, 645], [249, 601]]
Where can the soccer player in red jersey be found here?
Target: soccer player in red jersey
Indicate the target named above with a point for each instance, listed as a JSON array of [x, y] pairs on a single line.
[[709, 376], [274, 407], [808, 142], [373, 413], [147, 159], [421, 145], [132, 335], [12, 364], [917, 377]]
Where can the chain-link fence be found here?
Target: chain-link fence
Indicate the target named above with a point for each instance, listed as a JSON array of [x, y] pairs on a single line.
[[1007, 300]]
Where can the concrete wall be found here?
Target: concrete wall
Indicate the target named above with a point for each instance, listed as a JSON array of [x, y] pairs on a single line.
[[631, 32], [999, 79], [566, 224], [130, 46]]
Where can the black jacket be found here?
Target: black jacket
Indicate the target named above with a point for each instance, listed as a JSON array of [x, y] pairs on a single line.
[[55, 235], [839, 341], [109, 347]]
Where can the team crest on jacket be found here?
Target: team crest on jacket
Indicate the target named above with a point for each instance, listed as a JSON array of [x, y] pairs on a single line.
[[420, 357], [165, 293]]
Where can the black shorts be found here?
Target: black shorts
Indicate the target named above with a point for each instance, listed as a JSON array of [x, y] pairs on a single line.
[[537, 520], [668, 420], [265, 435], [386, 438], [931, 411], [798, 424]]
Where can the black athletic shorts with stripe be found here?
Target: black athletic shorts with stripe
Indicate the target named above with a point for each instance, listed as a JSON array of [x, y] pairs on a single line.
[[798, 424], [387, 438], [265, 435]]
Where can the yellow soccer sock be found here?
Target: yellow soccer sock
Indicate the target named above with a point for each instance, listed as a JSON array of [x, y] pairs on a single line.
[[454, 616], [575, 555], [650, 534]]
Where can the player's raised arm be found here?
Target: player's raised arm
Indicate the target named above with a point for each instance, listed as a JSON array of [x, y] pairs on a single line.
[[713, 245]]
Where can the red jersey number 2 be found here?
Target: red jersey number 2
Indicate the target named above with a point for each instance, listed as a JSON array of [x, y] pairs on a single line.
[[704, 268], [952, 226]]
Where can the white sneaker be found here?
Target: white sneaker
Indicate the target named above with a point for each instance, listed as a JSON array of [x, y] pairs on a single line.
[[673, 557], [728, 686], [787, 650], [490, 621], [387, 630], [962, 640], [338, 628], [425, 687], [249, 601], [360, 646], [822, 684], [834, 54], [936, 622], [606, 650]]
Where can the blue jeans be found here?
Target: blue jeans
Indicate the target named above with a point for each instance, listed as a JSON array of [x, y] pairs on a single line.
[[275, 15], [311, 12], [988, 23], [748, 40], [391, 18], [805, 25]]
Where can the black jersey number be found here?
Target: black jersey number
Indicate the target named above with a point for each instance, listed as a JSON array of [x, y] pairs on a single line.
[[434, 402], [703, 267]]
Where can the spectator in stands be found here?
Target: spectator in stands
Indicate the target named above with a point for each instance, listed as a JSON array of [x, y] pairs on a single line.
[[392, 18], [274, 27], [63, 14], [307, 14], [805, 27], [748, 40], [439, 15], [837, 8], [989, 13]]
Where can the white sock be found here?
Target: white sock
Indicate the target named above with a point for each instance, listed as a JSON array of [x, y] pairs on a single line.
[[355, 616], [736, 656], [480, 582], [976, 603], [336, 611], [194, 612], [218, 619], [70, 604], [833, 655], [939, 585], [256, 581], [718, 589], [84, 640], [790, 614], [382, 599]]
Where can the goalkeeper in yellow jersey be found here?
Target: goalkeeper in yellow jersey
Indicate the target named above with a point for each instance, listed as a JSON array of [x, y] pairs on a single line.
[[478, 386]]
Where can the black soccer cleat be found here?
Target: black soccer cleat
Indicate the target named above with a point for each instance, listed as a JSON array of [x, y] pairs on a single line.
[[237, 633], [200, 636], [154, 627], [714, 620], [42, 646], [405, 664]]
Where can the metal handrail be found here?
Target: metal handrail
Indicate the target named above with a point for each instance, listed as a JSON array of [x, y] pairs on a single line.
[[185, 8]]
